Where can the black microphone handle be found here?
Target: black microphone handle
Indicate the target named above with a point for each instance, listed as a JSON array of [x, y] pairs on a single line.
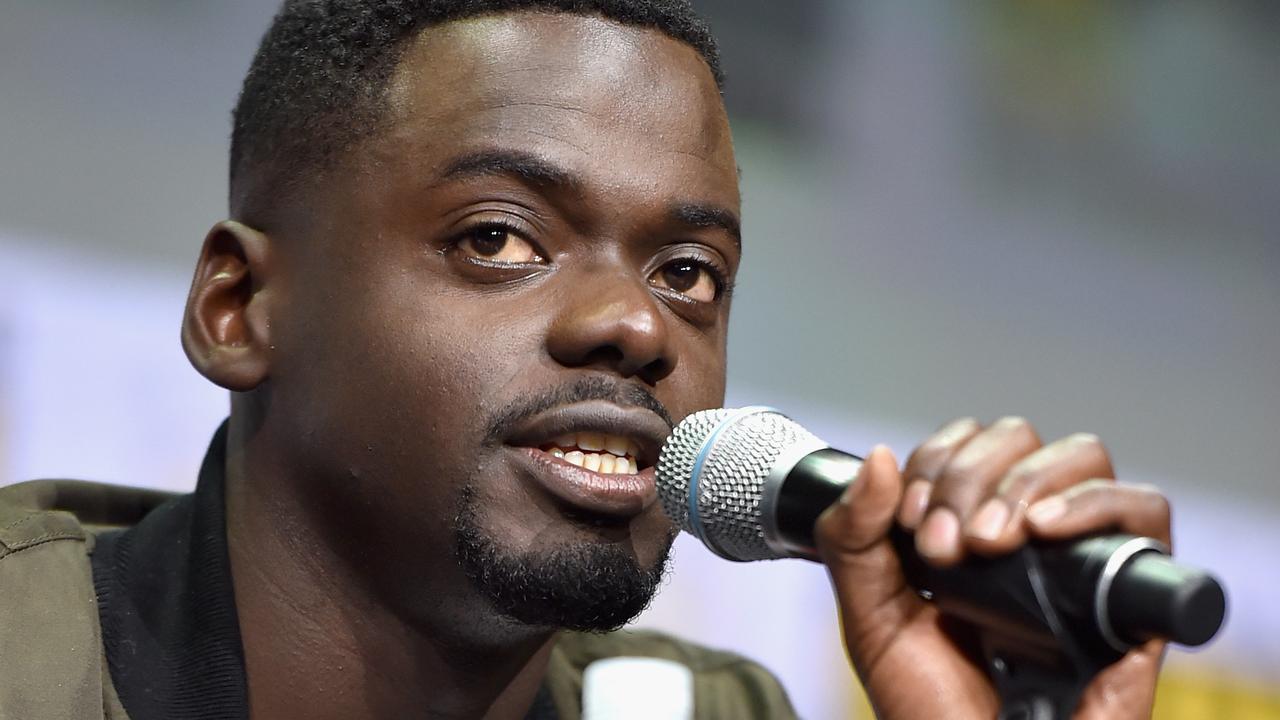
[[1112, 591]]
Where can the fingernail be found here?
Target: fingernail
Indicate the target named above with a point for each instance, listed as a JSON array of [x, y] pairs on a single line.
[[914, 502], [855, 486], [989, 521], [846, 497], [1047, 511], [939, 534]]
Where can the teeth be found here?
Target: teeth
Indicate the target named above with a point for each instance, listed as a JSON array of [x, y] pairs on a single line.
[[595, 442], [583, 449], [616, 445], [598, 462]]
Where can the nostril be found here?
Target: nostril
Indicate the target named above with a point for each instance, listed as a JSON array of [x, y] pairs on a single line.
[[611, 358], [656, 370]]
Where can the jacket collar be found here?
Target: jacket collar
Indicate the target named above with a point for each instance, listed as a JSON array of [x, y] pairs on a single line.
[[167, 608], [166, 603]]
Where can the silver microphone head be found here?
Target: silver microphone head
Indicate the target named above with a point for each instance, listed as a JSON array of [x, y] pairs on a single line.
[[719, 474]]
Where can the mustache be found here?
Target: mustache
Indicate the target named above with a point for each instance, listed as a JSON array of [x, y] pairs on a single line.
[[582, 390]]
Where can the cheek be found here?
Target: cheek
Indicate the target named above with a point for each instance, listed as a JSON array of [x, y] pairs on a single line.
[[699, 380], [386, 397], [383, 377]]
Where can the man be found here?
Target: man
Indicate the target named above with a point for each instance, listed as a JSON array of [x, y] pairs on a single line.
[[481, 260]]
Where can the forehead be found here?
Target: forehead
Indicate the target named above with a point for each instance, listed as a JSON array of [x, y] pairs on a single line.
[[620, 105]]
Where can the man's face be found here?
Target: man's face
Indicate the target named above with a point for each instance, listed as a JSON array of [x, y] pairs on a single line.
[[533, 259]]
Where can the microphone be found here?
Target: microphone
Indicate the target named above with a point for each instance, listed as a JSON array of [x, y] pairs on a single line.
[[750, 483]]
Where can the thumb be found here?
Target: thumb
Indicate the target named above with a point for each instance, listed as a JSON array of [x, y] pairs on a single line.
[[860, 520], [853, 541]]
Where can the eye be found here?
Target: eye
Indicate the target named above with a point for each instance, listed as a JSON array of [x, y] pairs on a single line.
[[688, 277], [497, 244]]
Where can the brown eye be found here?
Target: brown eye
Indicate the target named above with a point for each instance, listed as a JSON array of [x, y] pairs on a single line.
[[689, 278], [499, 245]]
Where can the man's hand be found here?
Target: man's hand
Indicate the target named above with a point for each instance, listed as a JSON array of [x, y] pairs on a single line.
[[970, 489]]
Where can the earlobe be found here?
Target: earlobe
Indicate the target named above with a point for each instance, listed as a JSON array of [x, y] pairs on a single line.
[[226, 326]]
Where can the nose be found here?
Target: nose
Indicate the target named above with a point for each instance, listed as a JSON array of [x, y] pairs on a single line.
[[611, 320]]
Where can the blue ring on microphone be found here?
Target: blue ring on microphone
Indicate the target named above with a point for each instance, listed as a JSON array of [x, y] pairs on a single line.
[[695, 517]]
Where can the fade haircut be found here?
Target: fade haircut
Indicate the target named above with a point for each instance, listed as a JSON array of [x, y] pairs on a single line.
[[318, 83]]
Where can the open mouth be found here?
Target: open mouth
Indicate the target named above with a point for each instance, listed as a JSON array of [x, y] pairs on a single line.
[[595, 457], [599, 452]]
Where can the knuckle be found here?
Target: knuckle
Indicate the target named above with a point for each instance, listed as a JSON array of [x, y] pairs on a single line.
[[924, 462], [962, 477], [1157, 503], [1145, 488], [1162, 509], [1013, 422], [1093, 487], [1091, 448], [953, 434], [929, 451], [928, 460], [1100, 485], [1020, 430], [1023, 475], [1085, 441], [958, 428]]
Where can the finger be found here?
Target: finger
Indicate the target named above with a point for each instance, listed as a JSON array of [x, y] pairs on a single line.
[[1124, 689], [1102, 505], [970, 476], [862, 517], [852, 538], [925, 465], [997, 526]]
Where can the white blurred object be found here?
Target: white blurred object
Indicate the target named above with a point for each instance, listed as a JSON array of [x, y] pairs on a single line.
[[637, 688]]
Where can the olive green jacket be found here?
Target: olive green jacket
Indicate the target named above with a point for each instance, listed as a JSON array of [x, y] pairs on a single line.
[[52, 661]]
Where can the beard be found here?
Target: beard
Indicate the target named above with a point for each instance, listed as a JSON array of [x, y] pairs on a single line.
[[584, 586]]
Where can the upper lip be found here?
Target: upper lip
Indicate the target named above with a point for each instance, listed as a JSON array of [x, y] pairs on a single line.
[[643, 427]]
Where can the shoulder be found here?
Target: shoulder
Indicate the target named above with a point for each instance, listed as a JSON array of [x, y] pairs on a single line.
[[43, 511], [28, 519], [726, 685], [50, 608]]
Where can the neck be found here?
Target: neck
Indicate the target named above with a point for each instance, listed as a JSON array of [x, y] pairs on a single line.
[[320, 641]]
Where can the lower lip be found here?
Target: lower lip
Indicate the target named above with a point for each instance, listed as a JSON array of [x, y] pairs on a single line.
[[616, 495]]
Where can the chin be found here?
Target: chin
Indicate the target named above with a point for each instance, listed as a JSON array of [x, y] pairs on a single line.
[[591, 578]]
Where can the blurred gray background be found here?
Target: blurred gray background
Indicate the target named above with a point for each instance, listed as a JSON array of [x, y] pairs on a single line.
[[1065, 210]]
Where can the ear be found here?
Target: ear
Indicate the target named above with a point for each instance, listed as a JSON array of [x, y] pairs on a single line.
[[227, 324]]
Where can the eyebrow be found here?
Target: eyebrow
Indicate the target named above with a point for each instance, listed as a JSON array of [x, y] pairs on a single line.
[[708, 216], [540, 173], [525, 166]]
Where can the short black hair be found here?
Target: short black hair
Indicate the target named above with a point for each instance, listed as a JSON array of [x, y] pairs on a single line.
[[318, 82]]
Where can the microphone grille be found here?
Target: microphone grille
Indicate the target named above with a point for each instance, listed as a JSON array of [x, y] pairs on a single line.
[[712, 476]]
